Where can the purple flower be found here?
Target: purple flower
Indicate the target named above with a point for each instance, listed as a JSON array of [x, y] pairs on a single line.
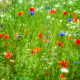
[[3, 10], [2, 26], [47, 35]]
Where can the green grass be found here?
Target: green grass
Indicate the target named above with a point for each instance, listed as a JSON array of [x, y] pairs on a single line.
[[27, 66]]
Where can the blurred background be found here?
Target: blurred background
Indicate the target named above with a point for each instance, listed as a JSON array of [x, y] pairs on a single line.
[[5, 3]]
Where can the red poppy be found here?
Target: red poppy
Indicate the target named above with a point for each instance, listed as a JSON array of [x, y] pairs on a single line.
[[40, 35], [33, 52], [71, 38], [65, 12], [1, 35], [60, 44], [74, 14], [16, 34], [52, 11], [78, 42], [32, 9], [38, 49], [6, 36], [75, 19], [47, 73], [64, 64], [62, 76], [20, 13], [8, 54]]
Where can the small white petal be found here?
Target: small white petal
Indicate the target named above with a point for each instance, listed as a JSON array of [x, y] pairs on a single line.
[[60, 20], [4, 53], [12, 60]]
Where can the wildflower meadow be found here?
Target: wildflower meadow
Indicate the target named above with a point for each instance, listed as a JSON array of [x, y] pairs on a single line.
[[39, 39]]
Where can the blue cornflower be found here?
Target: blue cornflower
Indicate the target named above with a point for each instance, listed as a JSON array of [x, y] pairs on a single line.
[[2, 26], [76, 62], [32, 12], [70, 19], [19, 35], [47, 7], [61, 34]]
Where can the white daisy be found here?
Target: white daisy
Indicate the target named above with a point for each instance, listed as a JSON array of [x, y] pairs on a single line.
[[64, 70]]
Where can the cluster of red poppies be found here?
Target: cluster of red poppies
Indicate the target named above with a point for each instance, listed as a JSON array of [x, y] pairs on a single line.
[[63, 65], [6, 36], [38, 49], [65, 12]]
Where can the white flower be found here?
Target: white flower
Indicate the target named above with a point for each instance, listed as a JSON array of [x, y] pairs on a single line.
[[2, 15], [67, 24], [72, 27], [20, 1], [4, 53], [64, 70], [60, 20], [32, 1], [71, 2], [56, 5], [48, 17], [12, 60], [72, 22], [69, 34], [55, 47], [28, 49]]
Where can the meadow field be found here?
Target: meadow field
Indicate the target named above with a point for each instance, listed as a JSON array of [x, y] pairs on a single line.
[[40, 40]]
